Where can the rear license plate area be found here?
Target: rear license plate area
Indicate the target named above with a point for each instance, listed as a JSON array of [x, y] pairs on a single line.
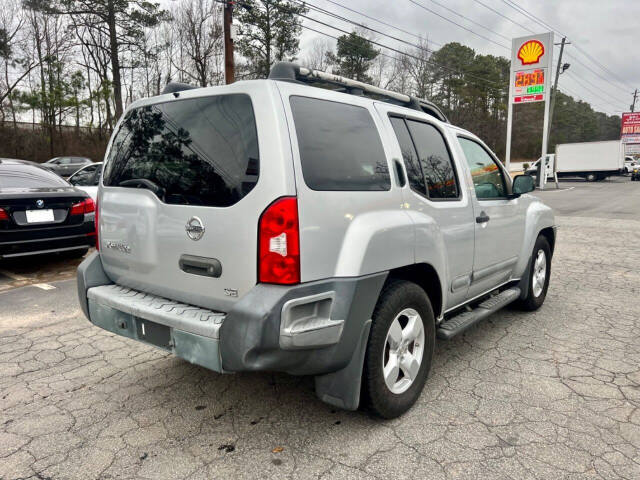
[[154, 333], [40, 216]]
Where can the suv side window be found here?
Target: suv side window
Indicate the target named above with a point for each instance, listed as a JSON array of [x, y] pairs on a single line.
[[414, 172], [488, 180], [436, 162], [340, 148]]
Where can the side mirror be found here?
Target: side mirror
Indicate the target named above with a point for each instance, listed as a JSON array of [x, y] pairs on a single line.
[[523, 184]]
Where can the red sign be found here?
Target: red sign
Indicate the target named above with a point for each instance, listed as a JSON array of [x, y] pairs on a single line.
[[528, 98], [630, 124]]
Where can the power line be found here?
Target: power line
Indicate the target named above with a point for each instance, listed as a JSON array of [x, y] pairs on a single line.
[[395, 27], [599, 75], [590, 57], [531, 16], [602, 108], [344, 19], [458, 25], [572, 75], [431, 62], [470, 20], [503, 16], [544, 24]]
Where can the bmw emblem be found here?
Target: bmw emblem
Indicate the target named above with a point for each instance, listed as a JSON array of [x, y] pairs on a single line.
[[39, 203]]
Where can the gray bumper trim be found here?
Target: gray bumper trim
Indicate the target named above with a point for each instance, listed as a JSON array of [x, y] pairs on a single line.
[[197, 349], [181, 316]]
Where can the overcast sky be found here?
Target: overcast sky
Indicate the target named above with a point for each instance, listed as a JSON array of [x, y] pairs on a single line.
[[607, 30]]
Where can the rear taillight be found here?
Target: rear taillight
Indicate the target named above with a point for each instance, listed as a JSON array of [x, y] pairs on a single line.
[[279, 243], [80, 208], [3, 214], [95, 225]]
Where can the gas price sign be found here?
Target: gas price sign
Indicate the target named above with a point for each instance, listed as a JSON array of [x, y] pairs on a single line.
[[529, 82], [529, 86], [530, 61]]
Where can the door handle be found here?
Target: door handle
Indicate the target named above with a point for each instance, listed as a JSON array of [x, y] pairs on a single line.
[[207, 267], [483, 218]]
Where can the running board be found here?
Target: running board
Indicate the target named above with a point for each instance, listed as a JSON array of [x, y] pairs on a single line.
[[458, 324]]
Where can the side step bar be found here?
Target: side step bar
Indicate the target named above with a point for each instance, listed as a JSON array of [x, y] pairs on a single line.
[[458, 324]]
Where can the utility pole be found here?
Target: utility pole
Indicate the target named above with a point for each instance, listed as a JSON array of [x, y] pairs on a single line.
[[554, 95], [633, 105], [229, 66]]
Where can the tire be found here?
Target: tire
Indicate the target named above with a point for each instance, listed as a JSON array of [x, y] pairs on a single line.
[[536, 295], [402, 304], [591, 177]]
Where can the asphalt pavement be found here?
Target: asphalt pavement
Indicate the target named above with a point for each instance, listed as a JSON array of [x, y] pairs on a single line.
[[616, 197], [553, 394]]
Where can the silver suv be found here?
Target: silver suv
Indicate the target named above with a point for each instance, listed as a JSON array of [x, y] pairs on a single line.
[[334, 232]]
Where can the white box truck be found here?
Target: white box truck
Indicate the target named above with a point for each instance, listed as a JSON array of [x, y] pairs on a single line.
[[591, 160]]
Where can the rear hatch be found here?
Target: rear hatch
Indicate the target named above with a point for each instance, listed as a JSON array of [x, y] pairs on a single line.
[[184, 184]]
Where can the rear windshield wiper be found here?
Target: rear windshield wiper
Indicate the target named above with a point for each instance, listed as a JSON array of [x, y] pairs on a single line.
[[144, 183]]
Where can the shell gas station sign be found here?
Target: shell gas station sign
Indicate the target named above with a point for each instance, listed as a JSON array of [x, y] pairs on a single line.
[[530, 81], [530, 62]]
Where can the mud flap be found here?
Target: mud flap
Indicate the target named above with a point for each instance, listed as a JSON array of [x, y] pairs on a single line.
[[342, 388]]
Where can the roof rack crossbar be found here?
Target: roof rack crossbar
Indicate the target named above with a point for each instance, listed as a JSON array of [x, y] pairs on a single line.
[[291, 72]]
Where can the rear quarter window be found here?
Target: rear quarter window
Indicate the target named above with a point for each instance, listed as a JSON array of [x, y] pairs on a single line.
[[201, 151], [340, 148]]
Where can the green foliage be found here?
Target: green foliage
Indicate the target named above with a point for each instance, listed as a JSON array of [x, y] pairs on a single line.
[[353, 57], [269, 31]]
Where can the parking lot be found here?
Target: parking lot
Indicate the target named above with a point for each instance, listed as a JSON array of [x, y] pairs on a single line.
[[549, 395]]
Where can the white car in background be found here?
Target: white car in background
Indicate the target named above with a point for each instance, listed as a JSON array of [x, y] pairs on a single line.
[[87, 179], [629, 163]]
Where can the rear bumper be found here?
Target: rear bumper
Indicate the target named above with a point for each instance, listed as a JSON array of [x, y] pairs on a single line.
[[307, 329], [47, 240]]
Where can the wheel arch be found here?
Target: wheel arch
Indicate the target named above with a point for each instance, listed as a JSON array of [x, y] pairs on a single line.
[[425, 276], [550, 234]]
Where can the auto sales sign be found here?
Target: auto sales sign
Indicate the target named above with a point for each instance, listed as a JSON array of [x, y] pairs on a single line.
[[630, 132]]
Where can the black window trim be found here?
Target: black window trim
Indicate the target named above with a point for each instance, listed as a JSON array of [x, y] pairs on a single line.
[[376, 126], [426, 196], [497, 162]]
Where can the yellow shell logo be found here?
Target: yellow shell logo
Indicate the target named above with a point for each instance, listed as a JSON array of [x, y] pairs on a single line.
[[530, 52]]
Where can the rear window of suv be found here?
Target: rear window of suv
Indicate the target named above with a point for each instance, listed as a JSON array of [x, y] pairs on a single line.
[[201, 151], [340, 148]]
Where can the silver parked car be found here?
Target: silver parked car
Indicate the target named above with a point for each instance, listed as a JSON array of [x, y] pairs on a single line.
[[87, 179], [271, 225], [66, 166]]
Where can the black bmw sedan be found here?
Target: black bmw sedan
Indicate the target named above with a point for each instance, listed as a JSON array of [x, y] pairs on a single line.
[[42, 213]]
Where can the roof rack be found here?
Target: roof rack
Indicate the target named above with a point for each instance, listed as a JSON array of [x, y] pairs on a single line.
[[292, 72]]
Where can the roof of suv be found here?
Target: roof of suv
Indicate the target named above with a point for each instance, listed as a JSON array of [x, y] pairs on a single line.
[[178, 90]]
